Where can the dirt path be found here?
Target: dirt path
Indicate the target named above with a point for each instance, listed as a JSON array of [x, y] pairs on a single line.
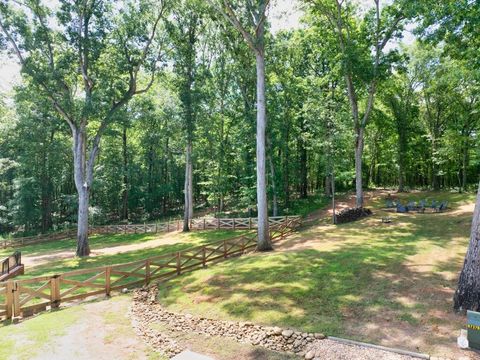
[[102, 332], [162, 239]]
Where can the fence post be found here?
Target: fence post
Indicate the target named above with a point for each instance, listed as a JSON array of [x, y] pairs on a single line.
[[218, 223], [55, 291], [168, 226], [233, 223], [147, 271], [250, 223], [204, 256], [191, 224], [225, 249], [203, 223], [108, 272], [156, 228], [9, 299], [179, 270], [178, 225], [125, 229], [144, 227], [16, 299]]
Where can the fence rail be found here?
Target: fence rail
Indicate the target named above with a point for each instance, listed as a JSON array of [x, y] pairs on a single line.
[[194, 224], [11, 266], [26, 297]]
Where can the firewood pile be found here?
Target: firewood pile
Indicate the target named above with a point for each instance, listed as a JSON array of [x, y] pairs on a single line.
[[352, 214]]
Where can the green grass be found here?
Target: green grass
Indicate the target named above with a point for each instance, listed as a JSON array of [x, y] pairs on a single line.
[[27, 340], [346, 277], [181, 242], [359, 280]]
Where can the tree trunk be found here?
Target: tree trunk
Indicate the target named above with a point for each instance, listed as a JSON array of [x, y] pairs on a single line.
[[263, 243], [464, 166], [83, 174], [83, 249], [358, 168], [467, 295], [190, 184], [274, 189], [125, 176], [187, 188]]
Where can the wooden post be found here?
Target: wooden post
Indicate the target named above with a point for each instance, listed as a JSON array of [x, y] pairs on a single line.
[[204, 256], [16, 299], [144, 227], [203, 223], [55, 291], [250, 223], [108, 272], [9, 299], [225, 249], [233, 223], [218, 223], [168, 226], [191, 224], [178, 225], [147, 271], [179, 270], [125, 229], [156, 228]]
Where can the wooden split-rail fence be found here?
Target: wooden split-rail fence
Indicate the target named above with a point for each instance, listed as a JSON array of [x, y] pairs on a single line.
[[11, 266], [26, 297], [194, 224]]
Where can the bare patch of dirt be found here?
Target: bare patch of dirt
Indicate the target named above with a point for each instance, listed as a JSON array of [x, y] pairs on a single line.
[[102, 333]]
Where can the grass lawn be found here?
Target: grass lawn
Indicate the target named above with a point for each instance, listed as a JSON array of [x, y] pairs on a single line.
[[384, 283], [389, 284], [58, 256]]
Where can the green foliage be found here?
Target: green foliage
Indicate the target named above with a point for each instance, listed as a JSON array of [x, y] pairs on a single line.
[[423, 127]]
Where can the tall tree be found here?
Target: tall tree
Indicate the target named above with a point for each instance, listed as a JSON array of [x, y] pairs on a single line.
[[362, 68], [86, 58], [249, 19]]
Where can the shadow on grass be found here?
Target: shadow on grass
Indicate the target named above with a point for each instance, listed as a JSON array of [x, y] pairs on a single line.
[[185, 241], [347, 291]]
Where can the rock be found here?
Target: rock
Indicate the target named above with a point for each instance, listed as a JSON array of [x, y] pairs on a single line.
[[124, 290], [310, 355], [277, 330], [287, 333], [319, 336]]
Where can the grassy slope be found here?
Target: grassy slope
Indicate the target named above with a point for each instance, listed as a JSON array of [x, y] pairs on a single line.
[[181, 241], [365, 280]]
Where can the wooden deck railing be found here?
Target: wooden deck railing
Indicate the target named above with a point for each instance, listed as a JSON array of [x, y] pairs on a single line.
[[195, 224], [26, 297]]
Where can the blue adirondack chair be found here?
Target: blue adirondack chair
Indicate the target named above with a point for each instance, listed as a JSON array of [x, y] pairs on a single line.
[[401, 208], [411, 206], [389, 204]]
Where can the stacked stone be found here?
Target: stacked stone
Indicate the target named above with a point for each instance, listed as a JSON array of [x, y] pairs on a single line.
[[146, 310]]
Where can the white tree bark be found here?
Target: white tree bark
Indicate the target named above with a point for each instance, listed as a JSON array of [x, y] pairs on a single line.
[[262, 205], [358, 168]]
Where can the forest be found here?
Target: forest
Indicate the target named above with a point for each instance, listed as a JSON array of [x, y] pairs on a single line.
[[246, 179], [346, 100]]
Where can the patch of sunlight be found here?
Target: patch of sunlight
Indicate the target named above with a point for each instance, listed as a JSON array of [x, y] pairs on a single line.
[[25, 340], [350, 298]]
